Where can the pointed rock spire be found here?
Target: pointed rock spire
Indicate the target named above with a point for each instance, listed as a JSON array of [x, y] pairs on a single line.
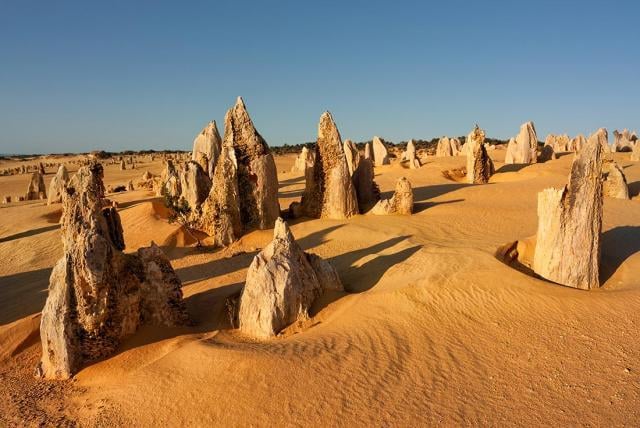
[[257, 175], [329, 192], [282, 283]]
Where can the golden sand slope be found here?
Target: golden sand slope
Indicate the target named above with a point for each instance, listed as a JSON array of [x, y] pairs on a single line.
[[433, 330]]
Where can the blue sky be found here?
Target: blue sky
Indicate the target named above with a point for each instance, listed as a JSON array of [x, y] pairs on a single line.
[[115, 75]]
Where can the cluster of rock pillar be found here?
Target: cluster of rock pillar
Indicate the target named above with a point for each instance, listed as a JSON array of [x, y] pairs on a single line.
[[97, 294]]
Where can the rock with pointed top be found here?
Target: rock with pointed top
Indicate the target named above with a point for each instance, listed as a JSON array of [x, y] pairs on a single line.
[[570, 222], [97, 294], [58, 185], [410, 155], [36, 189], [221, 210], [380, 153], [257, 175], [479, 165], [303, 161], [352, 154], [614, 182], [282, 283], [400, 203], [206, 147], [368, 151], [122, 165], [329, 191]]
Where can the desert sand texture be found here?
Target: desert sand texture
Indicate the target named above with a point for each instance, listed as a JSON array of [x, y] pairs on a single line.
[[432, 328]]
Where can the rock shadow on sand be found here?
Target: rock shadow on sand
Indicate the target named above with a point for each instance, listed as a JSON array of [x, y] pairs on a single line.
[[28, 233], [23, 294], [618, 244]]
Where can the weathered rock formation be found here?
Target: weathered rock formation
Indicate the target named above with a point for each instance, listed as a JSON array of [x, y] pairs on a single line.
[[614, 182], [221, 211], [448, 147], [623, 141], [479, 165], [329, 191], [257, 175], [410, 155], [576, 143], [195, 184], [570, 222], [36, 189], [122, 165], [525, 148], [547, 153], [368, 151], [352, 154], [380, 154], [303, 161], [206, 147], [400, 203], [282, 283], [169, 182], [58, 185], [97, 294]]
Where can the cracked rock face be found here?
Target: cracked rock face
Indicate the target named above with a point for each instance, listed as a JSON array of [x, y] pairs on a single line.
[[479, 165], [570, 222], [58, 185], [206, 148], [97, 294], [282, 283], [257, 176], [329, 191], [221, 210]]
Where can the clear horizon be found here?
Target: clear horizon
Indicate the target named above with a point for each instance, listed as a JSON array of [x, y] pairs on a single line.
[[78, 77]]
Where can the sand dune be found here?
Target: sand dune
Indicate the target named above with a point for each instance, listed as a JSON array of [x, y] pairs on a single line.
[[432, 329]]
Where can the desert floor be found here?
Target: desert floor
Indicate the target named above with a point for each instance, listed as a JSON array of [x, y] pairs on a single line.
[[433, 328]]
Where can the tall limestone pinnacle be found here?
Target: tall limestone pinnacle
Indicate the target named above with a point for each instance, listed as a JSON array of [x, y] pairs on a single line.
[[329, 191], [257, 175], [570, 222]]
